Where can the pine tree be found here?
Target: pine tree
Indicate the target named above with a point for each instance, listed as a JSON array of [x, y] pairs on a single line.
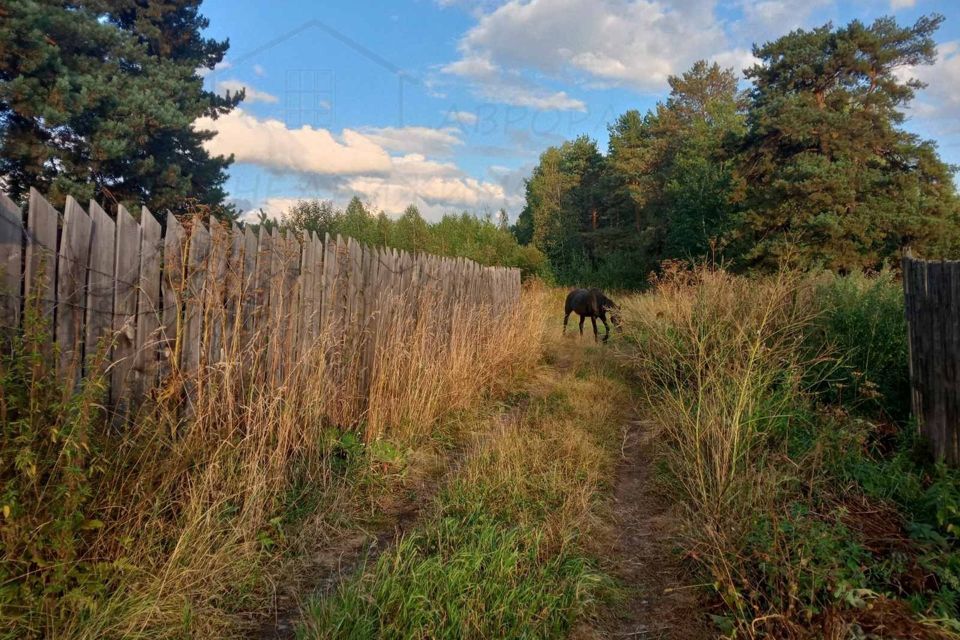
[[98, 100], [829, 176]]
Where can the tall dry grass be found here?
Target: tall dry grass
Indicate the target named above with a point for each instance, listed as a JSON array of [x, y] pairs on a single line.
[[199, 504], [508, 546], [721, 361]]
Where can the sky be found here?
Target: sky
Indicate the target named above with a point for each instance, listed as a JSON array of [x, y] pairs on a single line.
[[447, 104]]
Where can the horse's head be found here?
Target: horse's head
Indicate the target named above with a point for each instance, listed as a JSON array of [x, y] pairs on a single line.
[[613, 310]]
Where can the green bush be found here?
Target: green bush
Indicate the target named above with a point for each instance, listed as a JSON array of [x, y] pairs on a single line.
[[862, 322]]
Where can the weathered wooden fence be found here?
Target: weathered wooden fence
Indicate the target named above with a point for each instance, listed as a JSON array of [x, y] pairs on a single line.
[[932, 299], [146, 303]]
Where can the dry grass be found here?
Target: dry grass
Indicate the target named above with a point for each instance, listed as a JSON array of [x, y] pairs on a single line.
[[720, 360], [198, 508], [508, 548]]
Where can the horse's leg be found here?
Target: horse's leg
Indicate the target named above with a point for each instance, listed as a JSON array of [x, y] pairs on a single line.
[[582, 318], [566, 317], [593, 321], [606, 327]]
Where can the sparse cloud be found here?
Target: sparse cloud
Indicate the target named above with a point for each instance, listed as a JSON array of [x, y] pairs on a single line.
[[492, 83], [259, 71], [203, 72], [252, 95], [462, 117], [938, 104]]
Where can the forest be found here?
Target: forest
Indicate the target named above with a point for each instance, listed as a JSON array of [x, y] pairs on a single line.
[[809, 167]]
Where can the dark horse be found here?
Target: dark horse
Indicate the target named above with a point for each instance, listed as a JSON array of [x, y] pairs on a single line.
[[591, 303]]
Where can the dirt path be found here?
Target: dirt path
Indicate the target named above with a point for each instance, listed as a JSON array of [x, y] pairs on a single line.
[[660, 603], [330, 564]]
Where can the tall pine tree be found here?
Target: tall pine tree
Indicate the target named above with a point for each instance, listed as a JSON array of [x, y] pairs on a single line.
[[98, 100], [830, 179]]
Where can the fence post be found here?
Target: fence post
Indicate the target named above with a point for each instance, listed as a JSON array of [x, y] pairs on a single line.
[[11, 258], [932, 307]]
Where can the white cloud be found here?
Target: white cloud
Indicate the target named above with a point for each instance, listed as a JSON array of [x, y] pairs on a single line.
[[273, 207], [492, 83], [259, 70], [220, 66], [462, 117], [423, 140], [902, 4], [764, 20], [635, 43], [358, 163], [737, 59], [252, 95], [939, 103], [271, 144]]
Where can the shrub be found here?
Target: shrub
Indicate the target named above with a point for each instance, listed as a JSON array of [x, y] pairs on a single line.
[[861, 319]]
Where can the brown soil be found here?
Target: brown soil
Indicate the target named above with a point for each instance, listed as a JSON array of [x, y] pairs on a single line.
[[660, 602]]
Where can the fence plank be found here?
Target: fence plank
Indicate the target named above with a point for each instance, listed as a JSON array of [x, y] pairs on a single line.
[[40, 268], [148, 305], [193, 296], [11, 259], [932, 308], [171, 291], [248, 289], [125, 307], [71, 288], [215, 309], [100, 286], [234, 291]]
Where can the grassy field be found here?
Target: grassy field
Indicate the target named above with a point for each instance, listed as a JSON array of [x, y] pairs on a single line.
[[480, 498]]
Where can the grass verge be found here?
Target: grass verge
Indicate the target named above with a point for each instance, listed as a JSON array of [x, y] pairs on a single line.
[[180, 523], [809, 503]]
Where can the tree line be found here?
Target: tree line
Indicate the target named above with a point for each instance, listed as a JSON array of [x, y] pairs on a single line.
[[486, 240], [810, 167]]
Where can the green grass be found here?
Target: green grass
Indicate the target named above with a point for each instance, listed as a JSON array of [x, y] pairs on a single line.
[[462, 574], [506, 548]]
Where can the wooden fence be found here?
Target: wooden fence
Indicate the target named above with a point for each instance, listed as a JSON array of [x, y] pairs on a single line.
[[932, 300], [150, 303]]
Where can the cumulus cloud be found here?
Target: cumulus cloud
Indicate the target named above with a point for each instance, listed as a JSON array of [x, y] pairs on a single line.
[[424, 140], [269, 143], [252, 95], [634, 43], [357, 163]]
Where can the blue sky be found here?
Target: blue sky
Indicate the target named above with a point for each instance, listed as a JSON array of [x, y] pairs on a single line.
[[447, 104]]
